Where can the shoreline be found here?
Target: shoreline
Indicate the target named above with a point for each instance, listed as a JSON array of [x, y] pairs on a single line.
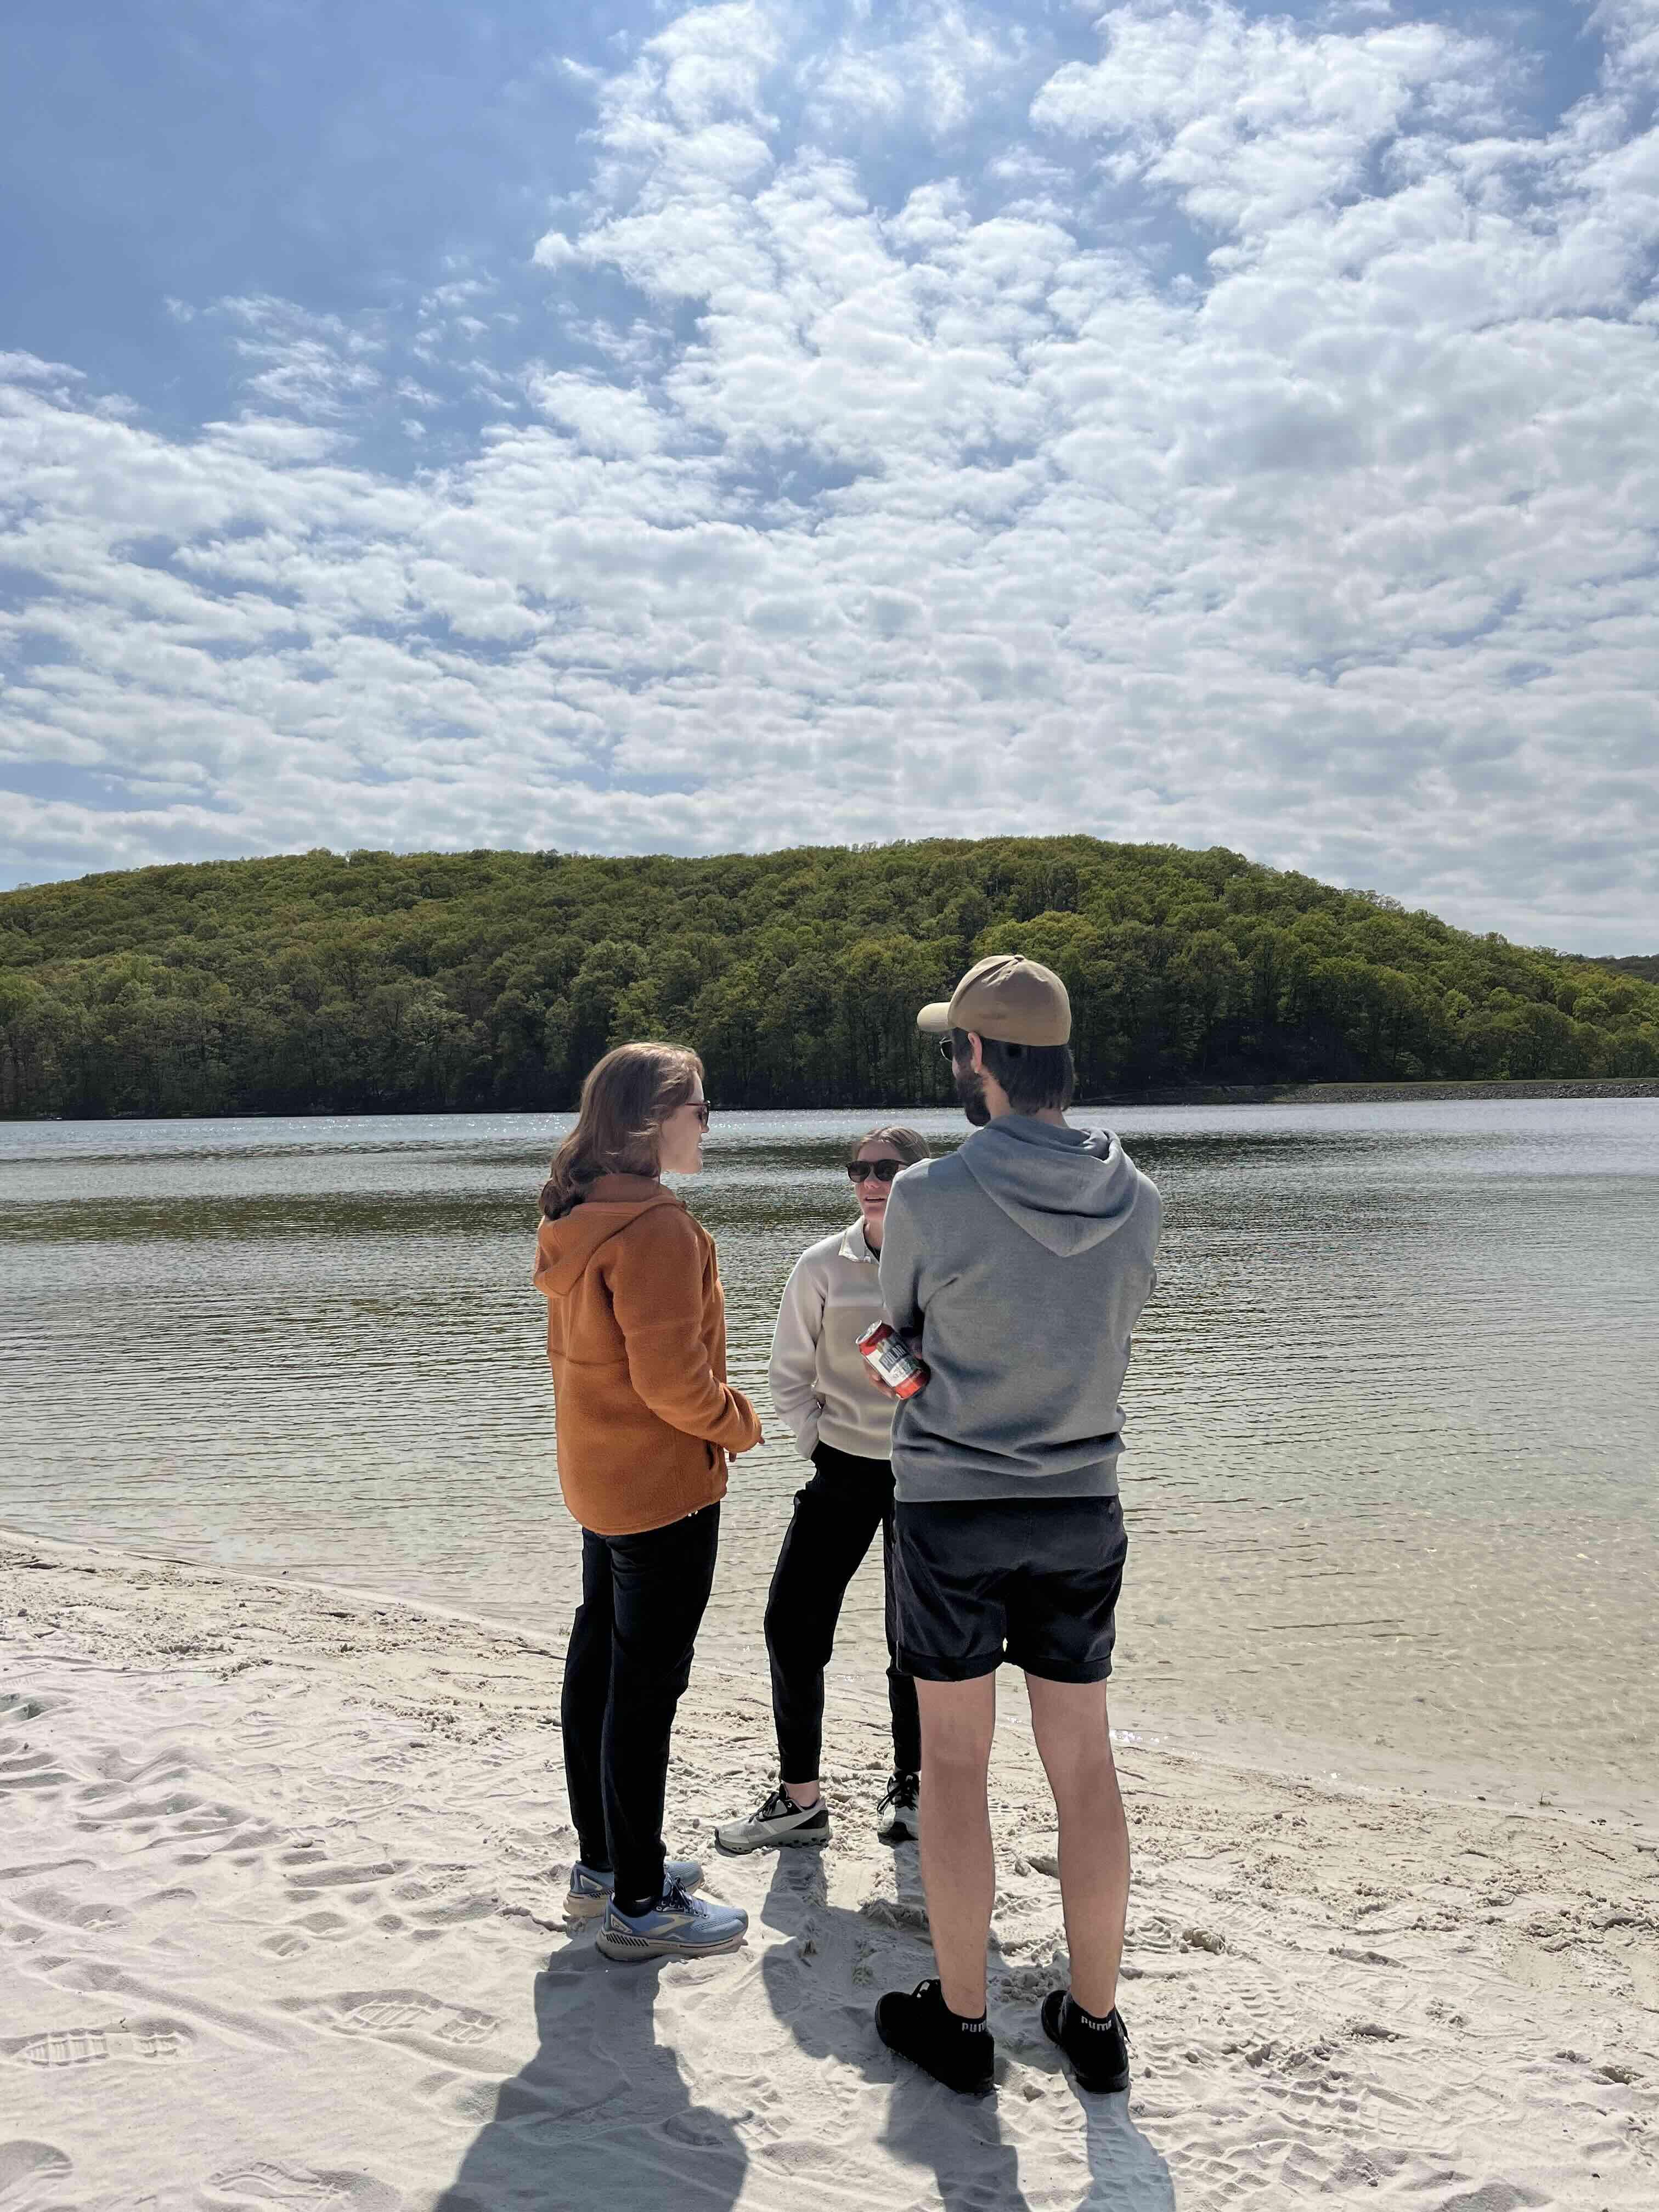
[[1360, 1092], [1430, 1091], [1246, 1750], [281, 1918]]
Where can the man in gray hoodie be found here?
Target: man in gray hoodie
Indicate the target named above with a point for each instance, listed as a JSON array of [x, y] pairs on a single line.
[[1017, 1267]]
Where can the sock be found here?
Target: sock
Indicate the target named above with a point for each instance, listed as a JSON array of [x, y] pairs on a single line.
[[968, 2023], [1099, 2022]]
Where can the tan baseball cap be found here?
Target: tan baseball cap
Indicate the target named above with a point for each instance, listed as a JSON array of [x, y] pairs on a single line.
[[1017, 1001]]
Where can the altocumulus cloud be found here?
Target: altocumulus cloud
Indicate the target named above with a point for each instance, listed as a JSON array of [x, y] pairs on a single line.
[[1185, 423]]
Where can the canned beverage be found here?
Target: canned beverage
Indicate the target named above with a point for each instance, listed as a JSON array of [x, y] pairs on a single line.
[[891, 1361]]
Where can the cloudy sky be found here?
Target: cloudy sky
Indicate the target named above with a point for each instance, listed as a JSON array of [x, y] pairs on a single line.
[[637, 426]]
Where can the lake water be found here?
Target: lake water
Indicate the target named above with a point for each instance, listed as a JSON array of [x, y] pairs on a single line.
[[1391, 1483]]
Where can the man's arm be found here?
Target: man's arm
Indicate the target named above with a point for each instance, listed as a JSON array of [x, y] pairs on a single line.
[[900, 1264]]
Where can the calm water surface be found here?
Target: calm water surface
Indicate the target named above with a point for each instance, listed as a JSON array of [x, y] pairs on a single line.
[[1392, 1415]]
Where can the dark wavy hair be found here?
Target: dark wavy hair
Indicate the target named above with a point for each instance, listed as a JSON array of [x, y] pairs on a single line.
[[626, 1097], [1034, 1076]]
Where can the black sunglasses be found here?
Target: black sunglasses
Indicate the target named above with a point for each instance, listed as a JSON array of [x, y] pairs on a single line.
[[882, 1170], [703, 1110], [948, 1049]]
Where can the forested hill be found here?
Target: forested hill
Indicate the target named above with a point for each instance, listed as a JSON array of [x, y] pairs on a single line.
[[1644, 964], [371, 981]]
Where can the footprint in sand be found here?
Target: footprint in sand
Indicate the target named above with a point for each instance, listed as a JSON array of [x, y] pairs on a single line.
[[14, 1706], [63, 1910], [458, 1912], [325, 1923], [358, 1877], [399, 2016], [35, 1771], [45, 1866], [91, 2046], [284, 1946], [25, 2169], [114, 1767], [264, 2182]]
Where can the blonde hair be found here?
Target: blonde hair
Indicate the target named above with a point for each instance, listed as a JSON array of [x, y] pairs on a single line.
[[628, 1095]]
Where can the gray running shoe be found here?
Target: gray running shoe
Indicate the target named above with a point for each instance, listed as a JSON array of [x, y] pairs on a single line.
[[898, 1820], [780, 1821], [590, 1892], [678, 1926]]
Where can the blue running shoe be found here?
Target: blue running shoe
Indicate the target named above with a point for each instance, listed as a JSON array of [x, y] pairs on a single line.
[[678, 1926], [590, 1892]]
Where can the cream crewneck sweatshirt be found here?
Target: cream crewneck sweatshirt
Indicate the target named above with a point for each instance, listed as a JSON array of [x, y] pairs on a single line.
[[820, 1384]]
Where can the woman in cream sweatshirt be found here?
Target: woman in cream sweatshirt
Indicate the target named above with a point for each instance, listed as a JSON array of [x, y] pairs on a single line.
[[820, 1387]]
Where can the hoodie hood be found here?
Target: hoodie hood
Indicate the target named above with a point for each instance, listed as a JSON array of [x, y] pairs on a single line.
[[1069, 1189], [565, 1248]]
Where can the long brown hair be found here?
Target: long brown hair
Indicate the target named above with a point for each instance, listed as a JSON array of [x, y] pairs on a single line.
[[627, 1094]]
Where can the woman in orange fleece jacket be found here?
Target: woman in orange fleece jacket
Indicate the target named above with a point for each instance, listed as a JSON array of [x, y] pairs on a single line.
[[636, 1339]]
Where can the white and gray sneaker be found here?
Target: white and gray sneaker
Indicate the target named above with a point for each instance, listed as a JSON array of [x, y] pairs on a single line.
[[678, 1926], [590, 1891], [897, 1819], [780, 1821]]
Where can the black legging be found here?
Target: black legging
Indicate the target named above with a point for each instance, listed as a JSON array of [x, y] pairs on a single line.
[[835, 1519], [628, 1663]]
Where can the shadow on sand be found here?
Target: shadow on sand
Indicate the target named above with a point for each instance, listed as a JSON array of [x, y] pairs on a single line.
[[600, 2116], [962, 2139]]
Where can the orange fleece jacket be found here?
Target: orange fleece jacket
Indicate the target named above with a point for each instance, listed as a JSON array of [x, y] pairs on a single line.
[[637, 1340]]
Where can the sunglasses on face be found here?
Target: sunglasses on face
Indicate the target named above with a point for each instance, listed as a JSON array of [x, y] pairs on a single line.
[[702, 1110], [948, 1049], [882, 1170]]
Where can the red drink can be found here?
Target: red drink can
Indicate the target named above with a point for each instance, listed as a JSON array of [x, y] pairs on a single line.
[[891, 1361]]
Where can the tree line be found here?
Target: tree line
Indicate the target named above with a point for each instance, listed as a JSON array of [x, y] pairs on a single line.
[[380, 982]]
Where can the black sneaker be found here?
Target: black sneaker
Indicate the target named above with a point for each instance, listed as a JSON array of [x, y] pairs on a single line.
[[895, 1815], [960, 2052], [1098, 2048]]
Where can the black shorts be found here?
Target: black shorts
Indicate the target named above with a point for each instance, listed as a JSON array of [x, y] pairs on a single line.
[[1035, 1583]]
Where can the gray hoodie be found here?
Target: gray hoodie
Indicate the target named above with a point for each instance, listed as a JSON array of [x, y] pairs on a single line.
[[1022, 1262]]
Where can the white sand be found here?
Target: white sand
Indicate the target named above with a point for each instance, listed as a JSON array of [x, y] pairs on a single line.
[[280, 1925]]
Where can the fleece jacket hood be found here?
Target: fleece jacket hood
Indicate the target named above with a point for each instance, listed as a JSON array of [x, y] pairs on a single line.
[[1070, 1189], [566, 1247], [1021, 1263]]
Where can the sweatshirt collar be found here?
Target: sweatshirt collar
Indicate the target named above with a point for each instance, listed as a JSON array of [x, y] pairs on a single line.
[[628, 1190], [1026, 1129], [855, 1245]]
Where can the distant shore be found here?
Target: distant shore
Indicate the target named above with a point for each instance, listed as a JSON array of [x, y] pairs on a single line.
[[1215, 1094], [1383, 1094]]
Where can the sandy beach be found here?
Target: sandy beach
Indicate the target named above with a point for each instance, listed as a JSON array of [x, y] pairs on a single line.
[[281, 1884]]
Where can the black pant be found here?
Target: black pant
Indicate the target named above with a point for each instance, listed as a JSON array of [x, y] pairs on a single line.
[[835, 1517], [628, 1663]]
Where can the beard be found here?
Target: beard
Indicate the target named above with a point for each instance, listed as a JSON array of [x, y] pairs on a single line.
[[970, 1090]]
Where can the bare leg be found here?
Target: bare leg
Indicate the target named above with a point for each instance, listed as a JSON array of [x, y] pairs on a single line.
[[958, 1872], [1069, 1719]]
